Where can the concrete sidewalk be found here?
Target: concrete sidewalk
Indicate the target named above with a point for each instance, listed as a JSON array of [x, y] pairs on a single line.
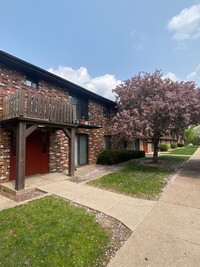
[[6, 203], [130, 211], [170, 234]]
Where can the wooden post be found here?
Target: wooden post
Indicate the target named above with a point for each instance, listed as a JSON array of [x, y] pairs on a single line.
[[72, 153], [20, 156]]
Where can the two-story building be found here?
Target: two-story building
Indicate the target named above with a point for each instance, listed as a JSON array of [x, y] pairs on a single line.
[[47, 124]]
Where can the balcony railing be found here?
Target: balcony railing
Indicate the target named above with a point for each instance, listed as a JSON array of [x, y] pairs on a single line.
[[37, 106]]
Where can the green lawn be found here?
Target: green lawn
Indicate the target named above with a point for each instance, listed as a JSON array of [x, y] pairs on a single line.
[[135, 180], [51, 232], [138, 180], [184, 150], [169, 158]]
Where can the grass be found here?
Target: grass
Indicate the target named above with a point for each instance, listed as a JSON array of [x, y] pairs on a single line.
[[173, 158], [51, 232], [135, 180], [140, 180], [184, 151]]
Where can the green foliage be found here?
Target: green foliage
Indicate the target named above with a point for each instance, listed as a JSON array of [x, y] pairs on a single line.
[[51, 232], [111, 156], [192, 135], [163, 147], [135, 180], [173, 146], [180, 145]]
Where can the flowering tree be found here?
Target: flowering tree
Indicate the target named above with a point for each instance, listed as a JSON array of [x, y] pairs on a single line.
[[150, 107]]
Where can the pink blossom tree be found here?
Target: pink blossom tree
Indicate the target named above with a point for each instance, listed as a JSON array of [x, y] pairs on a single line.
[[150, 107]]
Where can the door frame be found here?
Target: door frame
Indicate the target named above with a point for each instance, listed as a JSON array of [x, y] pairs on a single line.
[[13, 155], [77, 148]]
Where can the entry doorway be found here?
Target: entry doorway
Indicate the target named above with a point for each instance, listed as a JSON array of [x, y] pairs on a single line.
[[145, 147], [81, 149], [37, 154]]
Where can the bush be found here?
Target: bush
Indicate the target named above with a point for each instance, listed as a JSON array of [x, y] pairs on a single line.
[[173, 146], [180, 145], [164, 147], [111, 156]]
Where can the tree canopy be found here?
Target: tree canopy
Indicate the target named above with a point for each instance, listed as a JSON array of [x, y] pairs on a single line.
[[150, 107]]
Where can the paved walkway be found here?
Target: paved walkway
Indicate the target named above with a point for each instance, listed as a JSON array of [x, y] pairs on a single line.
[[170, 234], [6, 203], [130, 211]]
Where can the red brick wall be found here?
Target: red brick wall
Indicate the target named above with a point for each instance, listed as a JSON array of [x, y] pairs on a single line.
[[96, 136], [4, 154], [11, 81], [58, 151]]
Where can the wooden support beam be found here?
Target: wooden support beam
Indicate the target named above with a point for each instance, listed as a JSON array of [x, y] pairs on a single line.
[[20, 155], [31, 129], [67, 132], [72, 153]]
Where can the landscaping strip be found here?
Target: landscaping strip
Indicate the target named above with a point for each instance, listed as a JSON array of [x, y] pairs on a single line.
[[141, 178]]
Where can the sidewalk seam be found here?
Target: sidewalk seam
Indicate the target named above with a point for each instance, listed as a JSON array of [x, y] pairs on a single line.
[[188, 241], [179, 204]]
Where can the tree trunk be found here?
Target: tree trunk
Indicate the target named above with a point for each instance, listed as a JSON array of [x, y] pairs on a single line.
[[155, 153]]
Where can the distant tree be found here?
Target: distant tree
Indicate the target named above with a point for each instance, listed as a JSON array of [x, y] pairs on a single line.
[[190, 136], [197, 134], [150, 107]]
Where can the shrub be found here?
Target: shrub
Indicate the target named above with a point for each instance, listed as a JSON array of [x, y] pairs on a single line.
[[111, 156], [180, 145], [163, 147], [173, 146]]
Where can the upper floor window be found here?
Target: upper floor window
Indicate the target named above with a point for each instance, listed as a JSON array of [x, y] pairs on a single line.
[[31, 82], [106, 113], [81, 107]]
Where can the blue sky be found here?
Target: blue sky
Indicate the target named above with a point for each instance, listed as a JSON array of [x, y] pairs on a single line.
[[98, 43]]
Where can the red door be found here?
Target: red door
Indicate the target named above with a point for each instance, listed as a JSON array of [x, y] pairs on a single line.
[[145, 147], [37, 154]]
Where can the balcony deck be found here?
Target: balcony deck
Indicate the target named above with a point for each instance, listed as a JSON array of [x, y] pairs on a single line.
[[29, 106]]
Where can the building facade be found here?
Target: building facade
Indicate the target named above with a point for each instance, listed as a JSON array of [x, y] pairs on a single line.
[[47, 124]]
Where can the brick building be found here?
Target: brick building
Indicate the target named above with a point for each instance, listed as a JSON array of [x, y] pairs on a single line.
[[47, 123]]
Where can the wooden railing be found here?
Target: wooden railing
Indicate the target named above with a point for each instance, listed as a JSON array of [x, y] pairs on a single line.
[[37, 106]]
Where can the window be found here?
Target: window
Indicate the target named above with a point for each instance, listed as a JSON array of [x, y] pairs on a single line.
[[106, 112], [81, 110], [125, 144], [31, 82], [107, 142], [136, 144]]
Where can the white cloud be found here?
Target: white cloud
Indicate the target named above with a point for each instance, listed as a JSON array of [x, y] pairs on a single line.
[[186, 25], [171, 76], [194, 75], [101, 85]]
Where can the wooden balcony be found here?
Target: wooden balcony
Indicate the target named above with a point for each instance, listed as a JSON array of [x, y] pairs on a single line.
[[36, 106]]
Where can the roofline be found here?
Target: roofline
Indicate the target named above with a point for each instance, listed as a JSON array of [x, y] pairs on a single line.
[[7, 58]]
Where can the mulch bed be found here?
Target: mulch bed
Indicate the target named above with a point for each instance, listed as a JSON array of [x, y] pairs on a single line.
[[174, 166], [22, 197], [119, 232]]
